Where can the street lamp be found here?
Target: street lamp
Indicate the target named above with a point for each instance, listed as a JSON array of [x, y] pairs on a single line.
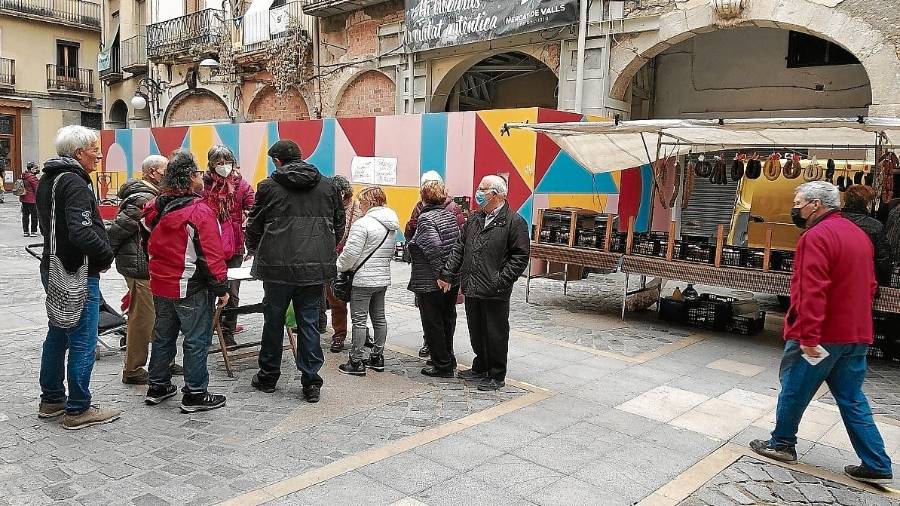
[[147, 92]]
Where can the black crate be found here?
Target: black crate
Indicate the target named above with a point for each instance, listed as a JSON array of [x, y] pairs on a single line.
[[748, 325], [700, 253], [617, 242], [712, 312], [734, 257], [895, 277], [754, 259], [673, 310]]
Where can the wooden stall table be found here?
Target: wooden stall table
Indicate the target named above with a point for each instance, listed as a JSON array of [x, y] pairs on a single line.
[[242, 274]]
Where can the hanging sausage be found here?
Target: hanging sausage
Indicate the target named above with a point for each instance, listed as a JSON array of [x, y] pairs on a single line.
[[754, 167], [737, 168], [829, 171], [813, 170], [844, 180], [690, 173], [677, 185], [772, 167], [718, 175], [888, 164], [792, 168], [702, 168]]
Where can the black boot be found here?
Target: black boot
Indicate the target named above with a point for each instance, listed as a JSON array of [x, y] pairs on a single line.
[[376, 362], [353, 368]]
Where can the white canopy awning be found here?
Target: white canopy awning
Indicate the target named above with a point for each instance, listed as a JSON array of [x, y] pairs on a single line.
[[605, 146]]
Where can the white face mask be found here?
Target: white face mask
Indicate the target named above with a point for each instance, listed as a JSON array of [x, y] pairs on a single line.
[[223, 170]]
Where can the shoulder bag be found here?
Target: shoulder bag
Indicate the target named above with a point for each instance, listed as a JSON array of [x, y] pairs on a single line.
[[342, 286], [66, 291]]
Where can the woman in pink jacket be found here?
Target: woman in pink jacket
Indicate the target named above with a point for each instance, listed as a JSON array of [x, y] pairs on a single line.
[[231, 197]]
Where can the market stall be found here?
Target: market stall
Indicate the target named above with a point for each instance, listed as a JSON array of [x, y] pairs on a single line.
[[739, 150]]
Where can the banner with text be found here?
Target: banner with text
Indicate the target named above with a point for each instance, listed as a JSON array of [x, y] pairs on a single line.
[[432, 24]]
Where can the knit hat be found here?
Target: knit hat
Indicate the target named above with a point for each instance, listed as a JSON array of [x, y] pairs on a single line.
[[342, 185], [286, 150], [431, 175]]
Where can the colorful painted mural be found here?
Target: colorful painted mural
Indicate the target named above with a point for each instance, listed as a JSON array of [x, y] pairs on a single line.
[[462, 146]]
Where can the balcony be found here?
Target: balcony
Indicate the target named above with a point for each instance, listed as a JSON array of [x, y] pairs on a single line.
[[186, 38], [70, 80], [79, 13], [7, 73], [109, 66], [325, 8], [134, 54], [259, 29]]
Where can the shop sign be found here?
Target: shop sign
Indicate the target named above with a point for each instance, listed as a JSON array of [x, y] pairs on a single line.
[[433, 24], [7, 124]]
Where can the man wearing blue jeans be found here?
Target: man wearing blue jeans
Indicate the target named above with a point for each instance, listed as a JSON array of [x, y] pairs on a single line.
[[73, 231], [828, 329], [291, 233]]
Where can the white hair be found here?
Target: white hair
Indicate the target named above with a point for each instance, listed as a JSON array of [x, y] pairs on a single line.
[[823, 191], [70, 139], [496, 183], [154, 161], [431, 175]]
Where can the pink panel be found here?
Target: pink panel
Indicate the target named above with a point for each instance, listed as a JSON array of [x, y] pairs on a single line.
[[612, 203], [461, 153], [140, 147], [541, 201], [115, 160], [343, 153], [250, 140], [400, 137]]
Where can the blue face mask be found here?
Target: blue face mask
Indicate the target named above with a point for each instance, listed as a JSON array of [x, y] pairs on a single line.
[[480, 198]]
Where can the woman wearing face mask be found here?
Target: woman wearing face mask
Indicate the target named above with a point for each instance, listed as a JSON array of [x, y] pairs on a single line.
[[231, 197]]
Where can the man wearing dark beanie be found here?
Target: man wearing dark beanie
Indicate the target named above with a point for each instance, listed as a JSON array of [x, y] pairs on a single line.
[[292, 231]]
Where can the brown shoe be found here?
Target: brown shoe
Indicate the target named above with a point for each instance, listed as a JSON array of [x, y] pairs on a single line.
[[337, 344], [94, 415], [51, 409], [139, 377]]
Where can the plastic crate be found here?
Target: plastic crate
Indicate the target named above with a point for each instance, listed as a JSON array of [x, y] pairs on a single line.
[[734, 257], [617, 242], [673, 310], [700, 253], [754, 259], [712, 312], [749, 324], [895, 277]]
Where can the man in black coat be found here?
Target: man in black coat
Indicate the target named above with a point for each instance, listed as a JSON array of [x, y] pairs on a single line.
[[489, 256], [857, 199], [292, 231]]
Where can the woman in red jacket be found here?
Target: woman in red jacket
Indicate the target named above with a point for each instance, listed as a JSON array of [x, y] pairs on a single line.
[[29, 199], [828, 330], [187, 268]]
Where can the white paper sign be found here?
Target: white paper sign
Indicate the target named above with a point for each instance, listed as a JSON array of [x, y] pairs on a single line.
[[374, 170], [8, 176]]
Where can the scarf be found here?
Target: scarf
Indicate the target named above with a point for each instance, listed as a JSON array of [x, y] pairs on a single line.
[[220, 193]]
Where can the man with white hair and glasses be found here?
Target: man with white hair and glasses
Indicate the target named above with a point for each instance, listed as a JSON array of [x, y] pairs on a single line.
[[79, 234], [828, 329], [488, 257]]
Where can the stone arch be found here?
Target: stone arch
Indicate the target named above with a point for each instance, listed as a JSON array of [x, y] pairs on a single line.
[[367, 93], [118, 115], [441, 92], [878, 57], [196, 106], [266, 105]]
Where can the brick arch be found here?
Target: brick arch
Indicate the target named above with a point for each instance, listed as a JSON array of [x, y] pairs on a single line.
[[370, 93], [878, 56], [196, 106], [268, 106]]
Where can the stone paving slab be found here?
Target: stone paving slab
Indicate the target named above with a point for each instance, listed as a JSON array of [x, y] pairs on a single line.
[[751, 481]]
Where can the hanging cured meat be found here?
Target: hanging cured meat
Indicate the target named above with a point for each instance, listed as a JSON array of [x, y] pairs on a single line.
[[754, 167], [718, 174], [813, 171], [887, 165], [677, 185], [772, 167], [792, 168], [660, 171], [829, 171], [845, 180], [689, 174], [737, 168]]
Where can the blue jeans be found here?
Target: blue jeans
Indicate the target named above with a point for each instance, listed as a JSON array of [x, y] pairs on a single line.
[[844, 371], [192, 316], [309, 357], [80, 341]]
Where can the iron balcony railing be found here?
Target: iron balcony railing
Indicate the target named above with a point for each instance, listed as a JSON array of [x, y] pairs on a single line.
[[113, 72], [7, 72], [79, 12], [259, 29], [64, 79], [134, 54], [190, 35]]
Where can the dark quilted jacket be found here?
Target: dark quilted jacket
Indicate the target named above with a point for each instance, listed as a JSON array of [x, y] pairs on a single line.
[[436, 232], [127, 236], [875, 231]]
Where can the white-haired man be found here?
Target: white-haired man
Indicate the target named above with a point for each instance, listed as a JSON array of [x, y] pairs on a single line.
[[128, 239], [829, 321], [489, 256], [410, 230], [79, 233]]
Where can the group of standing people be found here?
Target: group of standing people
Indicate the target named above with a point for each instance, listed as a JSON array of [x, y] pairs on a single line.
[[180, 227]]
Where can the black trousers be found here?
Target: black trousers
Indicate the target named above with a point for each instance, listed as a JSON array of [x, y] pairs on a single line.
[[489, 333], [309, 357], [234, 288], [438, 312], [29, 214]]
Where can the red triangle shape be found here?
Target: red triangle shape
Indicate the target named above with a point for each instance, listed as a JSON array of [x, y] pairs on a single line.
[[361, 134], [490, 159], [169, 139], [306, 133]]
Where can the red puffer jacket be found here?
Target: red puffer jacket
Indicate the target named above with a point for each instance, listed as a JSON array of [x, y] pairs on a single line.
[[185, 247], [833, 285], [31, 184]]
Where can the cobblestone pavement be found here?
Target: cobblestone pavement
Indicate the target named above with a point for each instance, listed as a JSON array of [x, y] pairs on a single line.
[[618, 422], [751, 481]]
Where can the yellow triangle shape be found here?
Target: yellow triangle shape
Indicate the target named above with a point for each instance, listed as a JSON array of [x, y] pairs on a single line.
[[519, 145]]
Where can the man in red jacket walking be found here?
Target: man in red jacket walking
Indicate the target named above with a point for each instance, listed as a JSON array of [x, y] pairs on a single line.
[[830, 319]]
